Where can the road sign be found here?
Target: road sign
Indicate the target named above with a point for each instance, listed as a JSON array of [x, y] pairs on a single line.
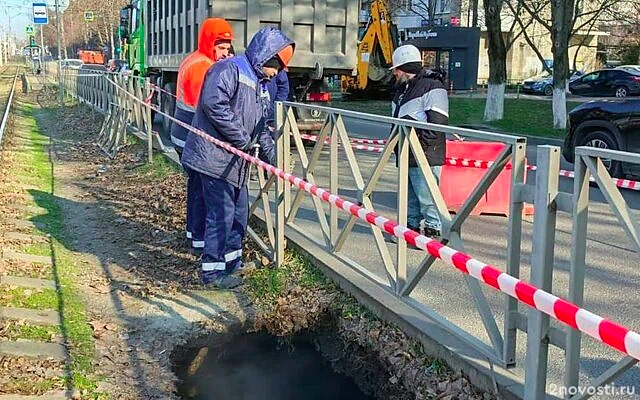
[[89, 16], [62, 5], [29, 29], [40, 15]]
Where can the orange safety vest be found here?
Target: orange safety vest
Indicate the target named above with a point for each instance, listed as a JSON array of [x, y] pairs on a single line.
[[195, 66]]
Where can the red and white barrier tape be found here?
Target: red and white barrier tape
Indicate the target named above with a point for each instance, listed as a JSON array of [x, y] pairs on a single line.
[[369, 141], [149, 97], [465, 162], [314, 138], [159, 89], [606, 331], [374, 149]]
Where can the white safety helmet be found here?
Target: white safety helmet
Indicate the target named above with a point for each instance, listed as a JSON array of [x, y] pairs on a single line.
[[406, 54]]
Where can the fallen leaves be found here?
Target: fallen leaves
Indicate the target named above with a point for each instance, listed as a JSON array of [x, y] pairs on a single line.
[[99, 328], [30, 376]]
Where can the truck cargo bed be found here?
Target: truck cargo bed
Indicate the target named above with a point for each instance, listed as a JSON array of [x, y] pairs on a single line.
[[325, 31]]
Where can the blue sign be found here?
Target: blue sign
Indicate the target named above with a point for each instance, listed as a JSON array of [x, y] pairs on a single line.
[[40, 15]]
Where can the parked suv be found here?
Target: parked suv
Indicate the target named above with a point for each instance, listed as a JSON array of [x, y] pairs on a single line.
[[607, 82], [606, 124]]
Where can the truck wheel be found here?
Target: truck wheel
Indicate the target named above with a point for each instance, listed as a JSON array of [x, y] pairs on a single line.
[[168, 105], [604, 140]]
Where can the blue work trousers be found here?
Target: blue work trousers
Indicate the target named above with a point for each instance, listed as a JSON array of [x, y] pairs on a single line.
[[196, 210], [226, 224]]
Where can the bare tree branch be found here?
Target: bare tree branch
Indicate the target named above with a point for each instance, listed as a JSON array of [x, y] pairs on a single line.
[[535, 12]]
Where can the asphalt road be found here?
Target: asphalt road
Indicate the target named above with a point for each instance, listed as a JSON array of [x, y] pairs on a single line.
[[612, 275]]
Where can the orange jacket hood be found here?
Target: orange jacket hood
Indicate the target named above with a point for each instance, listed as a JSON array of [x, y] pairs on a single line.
[[211, 31]]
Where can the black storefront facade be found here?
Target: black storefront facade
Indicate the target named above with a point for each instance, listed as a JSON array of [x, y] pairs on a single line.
[[454, 49]]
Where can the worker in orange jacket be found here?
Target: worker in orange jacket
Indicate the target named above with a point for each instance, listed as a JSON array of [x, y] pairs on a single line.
[[214, 44]]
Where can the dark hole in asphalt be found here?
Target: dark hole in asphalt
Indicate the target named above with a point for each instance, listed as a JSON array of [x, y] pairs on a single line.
[[259, 366]]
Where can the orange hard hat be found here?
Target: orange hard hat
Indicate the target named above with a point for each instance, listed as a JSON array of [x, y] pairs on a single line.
[[285, 56]]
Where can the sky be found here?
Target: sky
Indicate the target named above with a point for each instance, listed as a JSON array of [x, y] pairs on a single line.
[[18, 13]]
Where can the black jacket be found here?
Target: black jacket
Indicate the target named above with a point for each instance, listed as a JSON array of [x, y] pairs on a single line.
[[424, 99]]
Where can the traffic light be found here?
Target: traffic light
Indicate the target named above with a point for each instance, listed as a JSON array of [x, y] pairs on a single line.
[[32, 41]]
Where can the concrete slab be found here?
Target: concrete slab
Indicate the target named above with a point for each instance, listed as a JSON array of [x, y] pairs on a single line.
[[29, 209], [9, 254], [20, 223], [25, 186], [57, 395], [33, 283], [36, 317], [32, 349], [23, 237]]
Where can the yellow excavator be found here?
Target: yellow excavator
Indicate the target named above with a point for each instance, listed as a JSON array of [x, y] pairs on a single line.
[[378, 39]]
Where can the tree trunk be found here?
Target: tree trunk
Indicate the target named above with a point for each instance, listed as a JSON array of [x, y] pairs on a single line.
[[474, 13], [111, 41], [562, 15], [494, 107], [64, 47]]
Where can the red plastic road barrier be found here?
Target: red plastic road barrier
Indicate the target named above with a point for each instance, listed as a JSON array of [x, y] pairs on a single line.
[[458, 181], [617, 336]]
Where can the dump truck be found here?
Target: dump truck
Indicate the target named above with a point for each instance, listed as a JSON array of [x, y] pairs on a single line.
[[91, 57], [156, 35]]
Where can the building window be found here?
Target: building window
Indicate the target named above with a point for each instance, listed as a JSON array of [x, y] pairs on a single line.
[[443, 6], [438, 6], [405, 4]]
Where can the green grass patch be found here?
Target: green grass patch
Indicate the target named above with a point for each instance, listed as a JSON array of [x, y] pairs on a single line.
[[74, 324], [36, 249], [31, 332], [521, 116], [160, 168], [267, 284], [28, 298]]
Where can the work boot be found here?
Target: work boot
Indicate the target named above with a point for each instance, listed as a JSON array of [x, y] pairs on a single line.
[[244, 268], [221, 280], [433, 233]]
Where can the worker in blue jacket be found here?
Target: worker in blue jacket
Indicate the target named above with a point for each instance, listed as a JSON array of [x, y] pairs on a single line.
[[278, 91], [233, 107]]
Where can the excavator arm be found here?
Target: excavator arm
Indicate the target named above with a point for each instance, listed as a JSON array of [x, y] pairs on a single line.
[[376, 47]]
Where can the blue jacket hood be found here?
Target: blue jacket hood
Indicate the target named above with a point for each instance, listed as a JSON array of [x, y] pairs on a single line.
[[265, 44]]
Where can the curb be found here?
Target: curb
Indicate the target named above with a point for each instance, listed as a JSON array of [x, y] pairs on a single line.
[[532, 140]]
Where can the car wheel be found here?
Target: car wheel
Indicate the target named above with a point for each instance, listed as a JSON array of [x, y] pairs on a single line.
[[168, 105], [621, 91], [548, 90], [604, 140]]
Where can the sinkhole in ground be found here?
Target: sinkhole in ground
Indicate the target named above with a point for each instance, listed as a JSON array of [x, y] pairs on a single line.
[[259, 366]]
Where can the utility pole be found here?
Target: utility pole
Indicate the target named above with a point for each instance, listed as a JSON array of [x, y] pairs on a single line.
[[42, 64], [60, 89]]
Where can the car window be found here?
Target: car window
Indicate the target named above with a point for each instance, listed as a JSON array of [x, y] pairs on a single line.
[[615, 74], [591, 77]]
